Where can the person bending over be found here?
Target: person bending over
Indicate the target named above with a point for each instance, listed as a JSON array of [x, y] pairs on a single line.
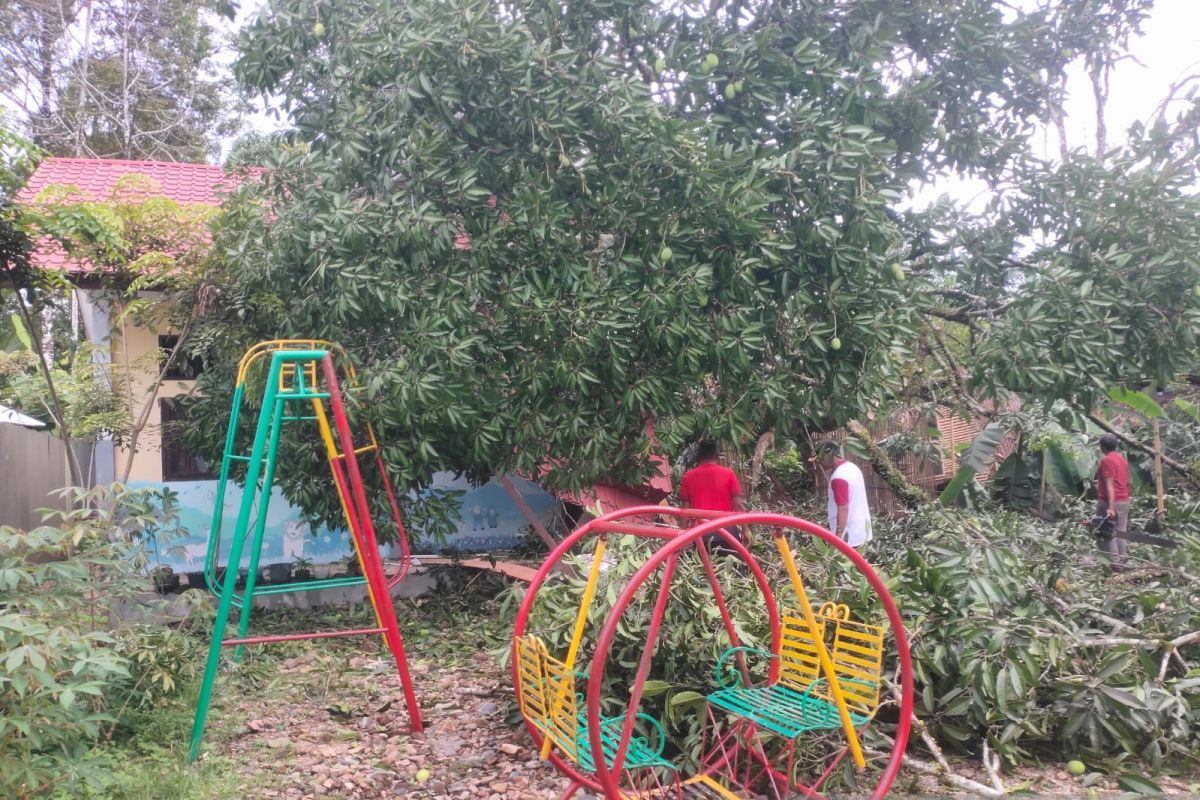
[[849, 513]]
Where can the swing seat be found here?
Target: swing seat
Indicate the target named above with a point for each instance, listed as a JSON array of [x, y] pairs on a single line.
[[548, 700], [782, 710], [800, 699]]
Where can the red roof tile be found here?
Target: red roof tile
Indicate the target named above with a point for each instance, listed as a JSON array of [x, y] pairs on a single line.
[[612, 498], [95, 178]]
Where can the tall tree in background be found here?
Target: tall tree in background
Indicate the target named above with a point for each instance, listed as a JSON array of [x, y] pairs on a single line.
[[116, 78], [254, 149]]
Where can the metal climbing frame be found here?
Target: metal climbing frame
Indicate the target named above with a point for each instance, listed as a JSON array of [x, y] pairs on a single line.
[[300, 375], [257, 356]]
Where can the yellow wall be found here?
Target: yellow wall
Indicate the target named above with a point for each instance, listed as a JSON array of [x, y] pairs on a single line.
[[135, 349]]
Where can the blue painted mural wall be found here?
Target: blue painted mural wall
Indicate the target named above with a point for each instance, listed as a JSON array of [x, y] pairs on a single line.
[[489, 521]]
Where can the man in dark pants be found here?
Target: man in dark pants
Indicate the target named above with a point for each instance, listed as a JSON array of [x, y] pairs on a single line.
[[1112, 496], [711, 487]]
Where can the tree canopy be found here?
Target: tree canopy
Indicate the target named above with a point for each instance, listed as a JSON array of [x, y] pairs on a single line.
[[540, 226]]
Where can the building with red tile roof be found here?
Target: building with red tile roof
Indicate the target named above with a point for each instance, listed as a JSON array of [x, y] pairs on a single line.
[[129, 345], [131, 348], [97, 180]]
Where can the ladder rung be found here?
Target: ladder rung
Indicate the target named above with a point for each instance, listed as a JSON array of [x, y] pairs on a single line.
[[303, 395], [298, 419], [364, 449], [245, 458]]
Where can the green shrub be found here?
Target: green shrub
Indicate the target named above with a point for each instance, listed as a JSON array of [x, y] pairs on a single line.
[[789, 469], [69, 669]]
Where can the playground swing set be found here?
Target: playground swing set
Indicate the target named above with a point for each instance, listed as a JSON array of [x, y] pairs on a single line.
[[301, 384], [825, 668], [825, 672]]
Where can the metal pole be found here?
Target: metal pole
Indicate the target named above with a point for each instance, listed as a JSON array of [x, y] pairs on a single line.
[[235, 559], [369, 548], [260, 527]]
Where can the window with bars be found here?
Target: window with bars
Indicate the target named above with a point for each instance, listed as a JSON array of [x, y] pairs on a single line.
[[178, 463], [182, 368]]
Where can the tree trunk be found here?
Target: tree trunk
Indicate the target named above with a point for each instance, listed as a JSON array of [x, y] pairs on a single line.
[[126, 112], [765, 442], [1099, 76], [60, 419], [84, 62], [43, 122], [909, 495]]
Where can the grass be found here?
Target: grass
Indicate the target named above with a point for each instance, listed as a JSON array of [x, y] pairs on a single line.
[[147, 756], [147, 760]]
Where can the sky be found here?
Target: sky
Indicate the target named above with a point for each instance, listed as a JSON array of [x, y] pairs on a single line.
[[1168, 50]]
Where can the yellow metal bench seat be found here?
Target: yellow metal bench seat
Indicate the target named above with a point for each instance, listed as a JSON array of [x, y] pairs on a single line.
[[548, 699]]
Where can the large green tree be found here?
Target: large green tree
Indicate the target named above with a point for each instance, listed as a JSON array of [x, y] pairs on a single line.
[[538, 225]]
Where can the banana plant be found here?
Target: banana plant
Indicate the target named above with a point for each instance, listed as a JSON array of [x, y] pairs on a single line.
[[974, 461]]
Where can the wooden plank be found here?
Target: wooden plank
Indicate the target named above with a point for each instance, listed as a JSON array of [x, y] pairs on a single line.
[[509, 569]]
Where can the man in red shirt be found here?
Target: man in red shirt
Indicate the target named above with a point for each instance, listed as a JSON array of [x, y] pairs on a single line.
[[711, 487], [1112, 494]]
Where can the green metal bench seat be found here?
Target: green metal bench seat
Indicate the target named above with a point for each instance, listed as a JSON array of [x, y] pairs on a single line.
[[782, 710], [639, 753], [799, 698]]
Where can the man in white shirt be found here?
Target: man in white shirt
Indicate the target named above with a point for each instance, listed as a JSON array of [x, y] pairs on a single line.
[[849, 513]]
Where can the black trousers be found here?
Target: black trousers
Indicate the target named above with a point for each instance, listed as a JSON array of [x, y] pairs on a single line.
[[717, 545]]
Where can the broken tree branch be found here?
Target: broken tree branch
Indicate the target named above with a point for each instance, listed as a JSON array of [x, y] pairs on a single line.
[[533, 519], [991, 763], [942, 769], [905, 492], [1143, 642]]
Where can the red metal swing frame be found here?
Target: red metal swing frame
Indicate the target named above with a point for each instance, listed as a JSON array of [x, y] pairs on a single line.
[[606, 778]]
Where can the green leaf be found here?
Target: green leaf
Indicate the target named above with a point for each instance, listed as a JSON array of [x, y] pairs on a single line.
[[22, 332], [1191, 409], [654, 688], [1140, 402], [1137, 783], [974, 461], [682, 699], [1123, 697]]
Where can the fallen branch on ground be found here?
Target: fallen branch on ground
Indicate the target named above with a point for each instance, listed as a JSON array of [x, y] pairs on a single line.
[[942, 769]]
